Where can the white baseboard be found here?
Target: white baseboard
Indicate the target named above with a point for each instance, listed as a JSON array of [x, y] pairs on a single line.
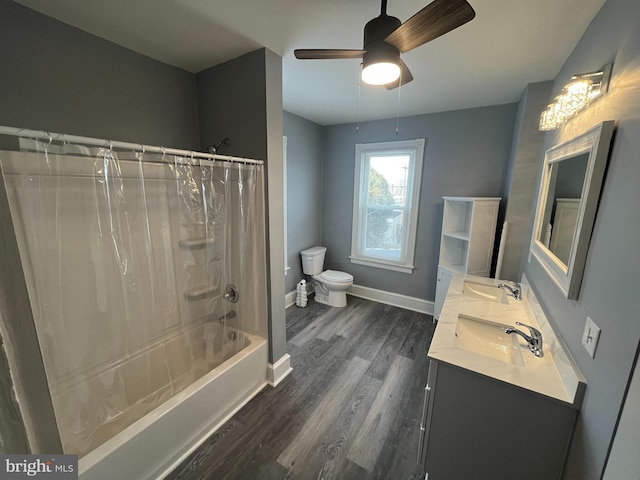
[[390, 298], [276, 372], [290, 299]]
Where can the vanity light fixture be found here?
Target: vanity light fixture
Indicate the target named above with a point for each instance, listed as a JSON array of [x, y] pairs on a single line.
[[575, 95]]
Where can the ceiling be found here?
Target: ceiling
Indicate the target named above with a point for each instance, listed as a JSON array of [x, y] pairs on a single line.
[[488, 61]]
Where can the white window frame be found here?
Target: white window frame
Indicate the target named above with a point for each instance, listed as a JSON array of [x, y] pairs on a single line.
[[415, 148]]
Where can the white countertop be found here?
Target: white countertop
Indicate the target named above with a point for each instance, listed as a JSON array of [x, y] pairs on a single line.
[[553, 375]]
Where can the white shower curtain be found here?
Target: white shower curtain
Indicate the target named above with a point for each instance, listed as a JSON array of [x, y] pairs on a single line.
[[127, 258]]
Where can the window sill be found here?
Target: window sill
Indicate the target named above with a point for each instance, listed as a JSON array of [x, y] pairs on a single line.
[[369, 262]]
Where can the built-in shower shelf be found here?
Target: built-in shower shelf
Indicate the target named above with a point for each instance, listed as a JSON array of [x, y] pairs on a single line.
[[200, 292], [191, 243]]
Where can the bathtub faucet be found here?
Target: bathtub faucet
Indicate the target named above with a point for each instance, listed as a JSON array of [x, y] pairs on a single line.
[[227, 316]]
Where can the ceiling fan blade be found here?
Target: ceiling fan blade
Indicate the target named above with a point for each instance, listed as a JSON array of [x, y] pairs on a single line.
[[405, 77], [326, 54], [434, 20]]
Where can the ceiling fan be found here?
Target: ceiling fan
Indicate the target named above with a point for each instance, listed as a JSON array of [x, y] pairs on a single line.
[[385, 38]]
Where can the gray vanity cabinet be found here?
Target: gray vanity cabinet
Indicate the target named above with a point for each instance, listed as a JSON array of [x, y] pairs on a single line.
[[475, 427]]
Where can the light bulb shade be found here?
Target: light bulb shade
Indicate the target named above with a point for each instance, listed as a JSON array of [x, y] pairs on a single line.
[[380, 73], [381, 64]]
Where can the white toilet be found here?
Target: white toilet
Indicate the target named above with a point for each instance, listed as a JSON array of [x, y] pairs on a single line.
[[330, 286]]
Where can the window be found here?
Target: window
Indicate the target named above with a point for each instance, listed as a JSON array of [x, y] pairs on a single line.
[[385, 204]]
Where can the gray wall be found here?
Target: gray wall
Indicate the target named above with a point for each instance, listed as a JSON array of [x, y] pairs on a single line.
[[611, 283], [275, 207], [232, 103], [624, 461], [58, 78], [521, 177], [466, 154], [242, 99], [305, 147]]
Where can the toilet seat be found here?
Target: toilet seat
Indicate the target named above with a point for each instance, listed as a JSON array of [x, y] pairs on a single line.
[[335, 276]]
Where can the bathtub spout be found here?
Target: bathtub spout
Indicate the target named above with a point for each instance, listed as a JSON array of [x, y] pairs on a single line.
[[227, 316]]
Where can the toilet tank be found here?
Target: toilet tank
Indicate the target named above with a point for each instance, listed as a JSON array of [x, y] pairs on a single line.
[[313, 260]]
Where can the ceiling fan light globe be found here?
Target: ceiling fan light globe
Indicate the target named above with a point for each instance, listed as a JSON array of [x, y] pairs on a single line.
[[380, 73]]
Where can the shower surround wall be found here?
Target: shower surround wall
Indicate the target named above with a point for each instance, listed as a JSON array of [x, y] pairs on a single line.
[[127, 261]]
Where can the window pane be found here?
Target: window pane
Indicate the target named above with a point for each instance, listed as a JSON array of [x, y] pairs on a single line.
[[383, 233], [386, 202], [388, 179]]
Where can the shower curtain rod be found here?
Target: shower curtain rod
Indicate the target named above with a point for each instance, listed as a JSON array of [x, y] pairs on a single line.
[[62, 137]]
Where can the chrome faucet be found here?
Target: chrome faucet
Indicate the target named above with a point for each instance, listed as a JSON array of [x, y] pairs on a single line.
[[516, 290], [534, 341]]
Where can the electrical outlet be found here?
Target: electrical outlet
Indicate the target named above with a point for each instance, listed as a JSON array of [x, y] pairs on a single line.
[[590, 336]]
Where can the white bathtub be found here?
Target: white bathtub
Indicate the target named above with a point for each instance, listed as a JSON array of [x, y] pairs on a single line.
[[154, 445], [126, 271]]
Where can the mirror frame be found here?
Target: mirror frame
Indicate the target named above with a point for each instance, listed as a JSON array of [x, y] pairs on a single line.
[[596, 143]]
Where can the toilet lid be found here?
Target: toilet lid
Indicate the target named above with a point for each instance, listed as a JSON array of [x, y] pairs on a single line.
[[338, 277]]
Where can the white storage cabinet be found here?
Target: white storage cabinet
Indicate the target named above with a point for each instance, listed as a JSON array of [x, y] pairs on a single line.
[[466, 244]]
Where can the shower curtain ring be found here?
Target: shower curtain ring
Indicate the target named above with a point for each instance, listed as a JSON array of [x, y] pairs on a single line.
[[162, 149], [143, 149], [50, 138]]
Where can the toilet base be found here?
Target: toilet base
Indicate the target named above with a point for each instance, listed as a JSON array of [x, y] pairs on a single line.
[[333, 299]]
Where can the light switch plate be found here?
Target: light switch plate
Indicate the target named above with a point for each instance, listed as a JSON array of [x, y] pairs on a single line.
[[590, 336]]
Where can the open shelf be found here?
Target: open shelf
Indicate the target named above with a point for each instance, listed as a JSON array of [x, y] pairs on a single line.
[[455, 268], [458, 235], [453, 252], [458, 214]]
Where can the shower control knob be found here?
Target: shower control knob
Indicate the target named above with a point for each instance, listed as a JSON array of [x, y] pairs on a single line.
[[231, 293]]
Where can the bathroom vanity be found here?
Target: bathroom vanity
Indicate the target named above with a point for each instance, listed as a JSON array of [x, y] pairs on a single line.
[[492, 408]]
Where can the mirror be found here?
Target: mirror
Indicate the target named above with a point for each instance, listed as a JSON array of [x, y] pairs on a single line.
[[564, 192], [567, 201]]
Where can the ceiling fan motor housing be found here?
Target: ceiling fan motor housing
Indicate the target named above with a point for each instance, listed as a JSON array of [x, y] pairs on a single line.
[[377, 50], [379, 28]]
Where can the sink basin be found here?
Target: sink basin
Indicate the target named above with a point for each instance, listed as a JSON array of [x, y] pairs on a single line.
[[487, 339], [489, 293]]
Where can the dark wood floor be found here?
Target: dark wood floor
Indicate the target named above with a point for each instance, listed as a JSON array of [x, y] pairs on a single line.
[[349, 410]]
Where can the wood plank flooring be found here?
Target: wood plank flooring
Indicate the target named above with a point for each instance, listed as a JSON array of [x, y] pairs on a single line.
[[349, 410]]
